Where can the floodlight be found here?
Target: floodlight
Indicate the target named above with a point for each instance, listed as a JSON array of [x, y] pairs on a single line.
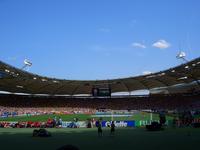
[[181, 55], [27, 63]]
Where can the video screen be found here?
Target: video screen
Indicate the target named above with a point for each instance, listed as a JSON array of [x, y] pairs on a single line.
[[101, 92]]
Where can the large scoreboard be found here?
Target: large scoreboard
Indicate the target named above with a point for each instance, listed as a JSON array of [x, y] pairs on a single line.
[[101, 92]]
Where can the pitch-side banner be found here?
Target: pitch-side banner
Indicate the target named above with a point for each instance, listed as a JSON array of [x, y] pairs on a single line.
[[119, 123], [69, 124]]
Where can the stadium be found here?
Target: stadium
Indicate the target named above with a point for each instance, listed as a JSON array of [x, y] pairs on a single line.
[[158, 109], [31, 101]]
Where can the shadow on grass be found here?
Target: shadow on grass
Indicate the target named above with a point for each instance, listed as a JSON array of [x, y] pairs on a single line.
[[86, 139]]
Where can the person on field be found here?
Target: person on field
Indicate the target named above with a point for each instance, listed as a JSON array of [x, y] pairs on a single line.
[[100, 131], [112, 128]]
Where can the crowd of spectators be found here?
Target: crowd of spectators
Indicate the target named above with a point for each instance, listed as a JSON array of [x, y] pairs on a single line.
[[50, 123], [22, 105], [30, 111]]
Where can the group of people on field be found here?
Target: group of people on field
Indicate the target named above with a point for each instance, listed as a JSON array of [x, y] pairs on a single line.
[[100, 131]]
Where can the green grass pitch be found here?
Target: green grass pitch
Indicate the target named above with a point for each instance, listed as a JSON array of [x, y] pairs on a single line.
[[87, 139], [83, 117]]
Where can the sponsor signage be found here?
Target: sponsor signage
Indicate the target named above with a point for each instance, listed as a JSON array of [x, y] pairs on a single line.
[[69, 124], [147, 122], [65, 124], [119, 123], [83, 124]]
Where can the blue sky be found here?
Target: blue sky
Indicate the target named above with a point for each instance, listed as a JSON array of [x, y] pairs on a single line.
[[98, 39]]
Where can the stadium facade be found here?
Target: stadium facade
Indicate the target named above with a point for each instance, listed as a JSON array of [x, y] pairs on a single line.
[[183, 79]]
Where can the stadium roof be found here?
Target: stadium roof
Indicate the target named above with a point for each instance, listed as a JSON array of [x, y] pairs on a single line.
[[17, 81]]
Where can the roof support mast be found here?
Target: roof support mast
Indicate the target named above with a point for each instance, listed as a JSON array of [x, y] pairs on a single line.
[[182, 55]]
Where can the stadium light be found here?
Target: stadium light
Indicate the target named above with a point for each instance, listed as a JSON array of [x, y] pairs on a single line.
[[27, 63], [182, 55]]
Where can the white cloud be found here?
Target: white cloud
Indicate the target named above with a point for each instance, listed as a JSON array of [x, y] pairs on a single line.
[[105, 30], [146, 72], [138, 45], [162, 44]]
